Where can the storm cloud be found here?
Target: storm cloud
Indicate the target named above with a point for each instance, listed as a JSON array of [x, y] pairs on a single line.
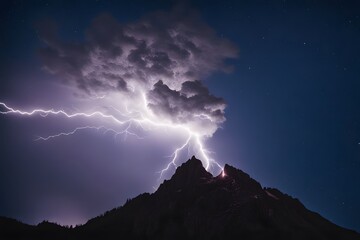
[[192, 103], [163, 54]]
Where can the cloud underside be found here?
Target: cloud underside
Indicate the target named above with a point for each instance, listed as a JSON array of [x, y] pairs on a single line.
[[163, 54]]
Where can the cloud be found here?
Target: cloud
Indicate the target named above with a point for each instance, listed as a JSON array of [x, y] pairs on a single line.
[[175, 47], [191, 104]]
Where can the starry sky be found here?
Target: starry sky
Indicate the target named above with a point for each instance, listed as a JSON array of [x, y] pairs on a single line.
[[279, 81]]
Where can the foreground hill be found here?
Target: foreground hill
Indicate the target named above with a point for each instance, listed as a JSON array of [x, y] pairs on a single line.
[[195, 205]]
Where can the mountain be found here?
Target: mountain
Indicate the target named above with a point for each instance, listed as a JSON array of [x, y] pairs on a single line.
[[195, 205]]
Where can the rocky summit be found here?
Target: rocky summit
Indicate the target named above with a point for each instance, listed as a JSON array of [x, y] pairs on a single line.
[[193, 204]]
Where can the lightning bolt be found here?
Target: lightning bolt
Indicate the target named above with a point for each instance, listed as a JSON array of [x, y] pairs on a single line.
[[174, 156], [131, 118], [67, 133], [106, 129]]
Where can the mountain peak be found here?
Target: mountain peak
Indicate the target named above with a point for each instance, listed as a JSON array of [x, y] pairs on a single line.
[[193, 161], [242, 179], [195, 205], [190, 172], [234, 172], [193, 168]]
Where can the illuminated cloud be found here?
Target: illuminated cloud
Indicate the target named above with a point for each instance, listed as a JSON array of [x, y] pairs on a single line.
[[162, 56], [192, 103]]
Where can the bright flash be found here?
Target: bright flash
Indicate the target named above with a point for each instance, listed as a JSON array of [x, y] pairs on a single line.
[[125, 120]]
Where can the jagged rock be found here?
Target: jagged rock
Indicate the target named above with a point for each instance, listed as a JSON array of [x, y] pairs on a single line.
[[195, 205]]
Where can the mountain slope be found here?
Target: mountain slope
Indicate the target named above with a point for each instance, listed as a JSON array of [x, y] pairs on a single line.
[[195, 205]]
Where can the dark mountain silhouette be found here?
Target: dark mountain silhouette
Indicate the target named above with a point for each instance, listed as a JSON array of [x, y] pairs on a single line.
[[195, 205]]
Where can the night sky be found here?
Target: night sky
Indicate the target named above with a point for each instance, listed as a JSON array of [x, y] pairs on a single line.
[[271, 87]]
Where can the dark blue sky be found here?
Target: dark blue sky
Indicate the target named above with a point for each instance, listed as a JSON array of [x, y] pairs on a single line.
[[293, 118]]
